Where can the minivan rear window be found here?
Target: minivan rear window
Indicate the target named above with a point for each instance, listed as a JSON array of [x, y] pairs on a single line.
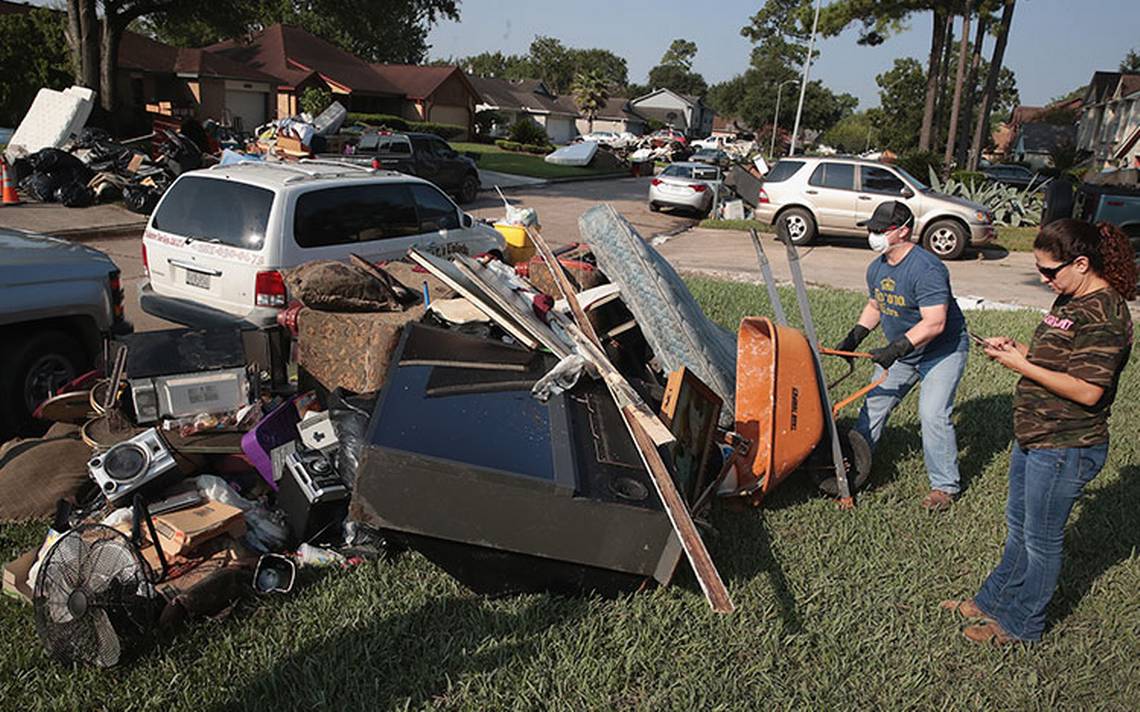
[[216, 210], [782, 171], [358, 213]]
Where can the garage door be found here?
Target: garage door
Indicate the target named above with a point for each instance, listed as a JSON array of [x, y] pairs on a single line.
[[560, 130], [450, 114], [249, 106]]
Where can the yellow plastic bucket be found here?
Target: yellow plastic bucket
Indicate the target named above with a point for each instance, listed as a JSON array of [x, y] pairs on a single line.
[[519, 246]]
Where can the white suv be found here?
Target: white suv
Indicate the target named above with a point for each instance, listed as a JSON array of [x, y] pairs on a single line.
[[217, 241]]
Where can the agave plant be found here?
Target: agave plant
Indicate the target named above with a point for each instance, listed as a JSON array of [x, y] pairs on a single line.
[[1009, 205]]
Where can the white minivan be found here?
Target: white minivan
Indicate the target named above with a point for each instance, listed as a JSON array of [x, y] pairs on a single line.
[[216, 243]]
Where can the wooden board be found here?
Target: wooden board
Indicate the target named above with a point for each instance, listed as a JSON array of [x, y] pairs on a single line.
[[690, 409], [447, 273]]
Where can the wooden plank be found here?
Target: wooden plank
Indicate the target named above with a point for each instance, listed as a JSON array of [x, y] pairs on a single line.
[[447, 273], [508, 301], [562, 282], [699, 558]]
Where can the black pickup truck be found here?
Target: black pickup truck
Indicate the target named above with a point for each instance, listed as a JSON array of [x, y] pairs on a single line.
[[419, 154]]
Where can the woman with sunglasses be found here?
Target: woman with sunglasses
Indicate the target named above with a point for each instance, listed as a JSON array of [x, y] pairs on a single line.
[[1069, 373]]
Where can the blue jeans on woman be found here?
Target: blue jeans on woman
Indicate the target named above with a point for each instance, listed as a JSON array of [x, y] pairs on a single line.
[[939, 376], [1044, 483]]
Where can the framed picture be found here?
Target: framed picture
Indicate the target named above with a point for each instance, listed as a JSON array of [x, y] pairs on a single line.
[[690, 410]]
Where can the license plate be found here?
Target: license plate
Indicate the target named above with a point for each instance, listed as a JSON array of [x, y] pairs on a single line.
[[200, 280]]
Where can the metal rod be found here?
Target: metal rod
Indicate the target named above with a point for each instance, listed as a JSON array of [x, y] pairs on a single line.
[[809, 329], [769, 280]]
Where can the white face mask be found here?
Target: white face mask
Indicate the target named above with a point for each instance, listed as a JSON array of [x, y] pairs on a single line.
[[881, 244]]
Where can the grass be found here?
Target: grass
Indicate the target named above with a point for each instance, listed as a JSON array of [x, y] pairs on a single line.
[[1014, 239], [835, 610], [493, 158]]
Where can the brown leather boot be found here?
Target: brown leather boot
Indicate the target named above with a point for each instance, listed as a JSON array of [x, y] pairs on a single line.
[[937, 501], [988, 632], [965, 608]]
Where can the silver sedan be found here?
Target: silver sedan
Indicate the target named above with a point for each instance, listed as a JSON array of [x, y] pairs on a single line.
[[685, 185]]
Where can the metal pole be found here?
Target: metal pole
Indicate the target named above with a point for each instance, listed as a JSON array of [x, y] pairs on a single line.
[[807, 74], [776, 118]]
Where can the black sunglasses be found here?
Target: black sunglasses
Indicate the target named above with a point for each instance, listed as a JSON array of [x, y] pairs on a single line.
[[1050, 273]]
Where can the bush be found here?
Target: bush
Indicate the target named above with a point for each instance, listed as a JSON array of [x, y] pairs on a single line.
[[444, 131], [508, 145], [486, 120], [535, 148], [920, 163], [387, 120], [527, 131], [314, 100], [968, 176]]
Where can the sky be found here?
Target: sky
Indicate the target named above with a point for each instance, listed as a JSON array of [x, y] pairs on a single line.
[[1054, 45]]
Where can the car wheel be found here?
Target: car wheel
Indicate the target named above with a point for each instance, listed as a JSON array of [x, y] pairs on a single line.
[[654, 207], [946, 239], [799, 225], [35, 370], [469, 189]]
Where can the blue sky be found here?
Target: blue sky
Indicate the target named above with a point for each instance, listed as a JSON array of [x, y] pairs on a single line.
[[1055, 45]]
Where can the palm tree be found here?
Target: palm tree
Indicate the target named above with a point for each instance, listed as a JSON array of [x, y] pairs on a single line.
[[959, 80], [591, 92], [991, 87]]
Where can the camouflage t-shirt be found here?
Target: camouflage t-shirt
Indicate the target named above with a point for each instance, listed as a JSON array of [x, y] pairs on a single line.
[[1089, 338]]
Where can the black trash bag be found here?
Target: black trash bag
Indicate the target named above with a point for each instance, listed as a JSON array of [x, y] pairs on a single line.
[[90, 136], [140, 199], [75, 195], [53, 160], [42, 186], [20, 169], [350, 415]]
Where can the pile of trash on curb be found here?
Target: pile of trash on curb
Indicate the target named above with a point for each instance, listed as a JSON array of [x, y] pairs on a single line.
[[558, 424]]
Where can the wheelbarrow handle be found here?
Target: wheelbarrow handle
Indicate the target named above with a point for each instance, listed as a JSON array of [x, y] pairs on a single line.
[[851, 356]]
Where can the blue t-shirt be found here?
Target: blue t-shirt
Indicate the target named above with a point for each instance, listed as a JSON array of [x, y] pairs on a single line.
[[920, 280]]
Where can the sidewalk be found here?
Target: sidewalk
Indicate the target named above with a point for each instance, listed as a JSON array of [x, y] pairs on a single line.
[[97, 222]]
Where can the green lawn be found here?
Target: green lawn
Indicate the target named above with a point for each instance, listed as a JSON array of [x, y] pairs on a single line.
[[1014, 239], [493, 158], [835, 610]]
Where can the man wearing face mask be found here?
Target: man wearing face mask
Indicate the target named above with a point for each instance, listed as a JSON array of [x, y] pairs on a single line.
[[910, 296]]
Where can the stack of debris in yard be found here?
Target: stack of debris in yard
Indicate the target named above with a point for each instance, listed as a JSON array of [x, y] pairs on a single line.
[[303, 135], [561, 424]]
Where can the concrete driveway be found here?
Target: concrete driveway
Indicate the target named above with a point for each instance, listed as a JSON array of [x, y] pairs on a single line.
[[993, 275]]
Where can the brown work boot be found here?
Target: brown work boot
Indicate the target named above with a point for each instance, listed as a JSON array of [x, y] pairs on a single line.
[[988, 632], [937, 501], [965, 608]]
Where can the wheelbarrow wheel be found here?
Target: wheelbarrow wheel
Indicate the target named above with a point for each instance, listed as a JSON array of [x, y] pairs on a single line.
[[857, 461]]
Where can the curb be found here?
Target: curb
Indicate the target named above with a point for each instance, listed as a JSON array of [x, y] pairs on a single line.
[[108, 232], [551, 181]]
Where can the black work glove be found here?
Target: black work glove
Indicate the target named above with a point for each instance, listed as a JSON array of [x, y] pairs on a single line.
[[853, 338], [892, 352]]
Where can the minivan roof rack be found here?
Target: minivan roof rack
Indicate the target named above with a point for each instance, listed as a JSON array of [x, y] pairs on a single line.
[[300, 168]]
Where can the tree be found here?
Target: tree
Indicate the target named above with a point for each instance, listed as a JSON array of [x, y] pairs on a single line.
[[551, 63], [591, 92], [959, 82], [991, 86], [1131, 62], [680, 54], [33, 53], [314, 100], [852, 134], [496, 64], [612, 67], [677, 79]]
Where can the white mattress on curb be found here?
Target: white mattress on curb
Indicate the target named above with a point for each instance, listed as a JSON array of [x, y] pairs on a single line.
[[576, 154], [53, 118]]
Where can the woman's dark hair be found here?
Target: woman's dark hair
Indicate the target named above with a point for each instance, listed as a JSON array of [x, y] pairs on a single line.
[[1108, 249]]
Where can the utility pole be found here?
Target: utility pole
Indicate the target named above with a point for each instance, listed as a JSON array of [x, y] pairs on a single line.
[[807, 73], [776, 118]]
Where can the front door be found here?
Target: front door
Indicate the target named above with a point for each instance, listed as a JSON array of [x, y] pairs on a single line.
[[878, 185]]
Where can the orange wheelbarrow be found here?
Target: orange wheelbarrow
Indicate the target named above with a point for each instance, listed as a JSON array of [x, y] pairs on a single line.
[[780, 407], [783, 404]]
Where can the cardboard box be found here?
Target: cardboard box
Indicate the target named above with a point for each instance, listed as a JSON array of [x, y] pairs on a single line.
[[291, 146], [180, 532], [16, 575]]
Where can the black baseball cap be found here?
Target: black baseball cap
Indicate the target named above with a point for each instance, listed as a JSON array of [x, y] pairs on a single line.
[[890, 214]]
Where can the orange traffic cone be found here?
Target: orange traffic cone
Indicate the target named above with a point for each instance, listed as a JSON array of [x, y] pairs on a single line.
[[8, 194]]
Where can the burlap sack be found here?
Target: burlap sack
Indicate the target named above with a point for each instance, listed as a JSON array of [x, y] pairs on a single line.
[[35, 473]]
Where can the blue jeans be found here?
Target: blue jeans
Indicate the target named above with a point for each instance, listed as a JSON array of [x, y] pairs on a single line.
[[1043, 485], [939, 378]]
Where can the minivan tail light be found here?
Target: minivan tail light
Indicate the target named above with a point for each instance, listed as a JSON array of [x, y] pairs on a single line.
[[269, 289], [146, 265], [762, 197], [655, 181], [699, 187], [115, 284]]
